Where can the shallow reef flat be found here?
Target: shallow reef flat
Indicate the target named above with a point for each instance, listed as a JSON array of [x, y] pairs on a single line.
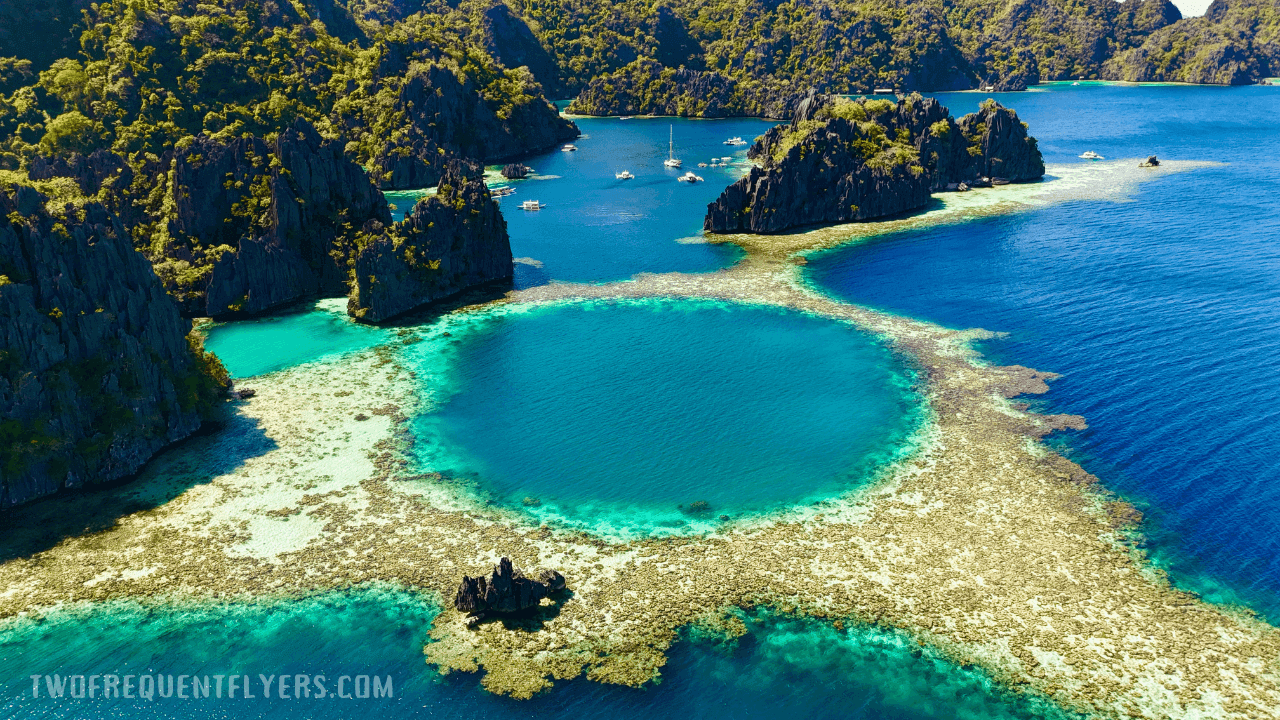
[[983, 544]]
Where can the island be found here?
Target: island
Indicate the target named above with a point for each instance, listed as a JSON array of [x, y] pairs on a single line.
[[842, 160]]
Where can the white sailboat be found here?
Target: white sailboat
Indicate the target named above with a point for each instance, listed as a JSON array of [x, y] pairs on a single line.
[[671, 160]]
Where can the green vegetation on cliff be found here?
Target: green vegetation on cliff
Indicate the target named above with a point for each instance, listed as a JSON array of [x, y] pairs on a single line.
[[842, 160], [1236, 42], [150, 73]]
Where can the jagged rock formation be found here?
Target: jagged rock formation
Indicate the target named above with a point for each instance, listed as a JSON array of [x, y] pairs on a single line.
[[245, 226], [1237, 42], [505, 590], [449, 119], [253, 225], [89, 171], [97, 371], [516, 171], [450, 241], [844, 161]]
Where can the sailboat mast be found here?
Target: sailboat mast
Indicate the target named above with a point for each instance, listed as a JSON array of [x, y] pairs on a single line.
[[671, 140]]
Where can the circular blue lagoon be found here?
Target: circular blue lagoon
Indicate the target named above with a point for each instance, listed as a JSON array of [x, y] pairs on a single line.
[[658, 413]]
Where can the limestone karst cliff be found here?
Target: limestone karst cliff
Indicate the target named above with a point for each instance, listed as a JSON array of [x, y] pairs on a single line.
[[245, 225], [450, 241], [97, 368], [447, 118], [843, 161], [1237, 42]]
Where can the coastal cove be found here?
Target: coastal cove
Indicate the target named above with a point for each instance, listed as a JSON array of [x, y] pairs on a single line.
[[980, 561]]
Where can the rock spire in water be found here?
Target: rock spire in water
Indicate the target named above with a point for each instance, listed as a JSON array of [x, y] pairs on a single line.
[[505, 590]]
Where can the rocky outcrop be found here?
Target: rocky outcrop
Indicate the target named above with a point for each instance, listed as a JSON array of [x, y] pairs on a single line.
[[90, 172], [819, 183], [449, 119], [450, 241], [516, 171], [505, 590], [844, 161], [96, 369], [991, 143], [266, 219]]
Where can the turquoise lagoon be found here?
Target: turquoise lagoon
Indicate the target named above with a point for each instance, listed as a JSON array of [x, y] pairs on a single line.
[[311, 332], [618, 413], [782, 668], [1161, 313]]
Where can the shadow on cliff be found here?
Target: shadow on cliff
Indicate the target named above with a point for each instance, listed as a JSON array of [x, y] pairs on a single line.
[[219, 447], [477, 295], [934, 204]]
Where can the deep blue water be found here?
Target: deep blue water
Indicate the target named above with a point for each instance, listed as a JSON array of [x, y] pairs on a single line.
[[596, 228], [1162, 314], [633, 409]]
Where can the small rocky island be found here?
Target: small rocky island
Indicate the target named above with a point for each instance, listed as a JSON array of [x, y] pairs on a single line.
[[506, 590], [841, 160]]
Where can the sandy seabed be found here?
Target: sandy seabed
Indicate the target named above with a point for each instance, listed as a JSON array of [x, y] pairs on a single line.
[[982, 544]]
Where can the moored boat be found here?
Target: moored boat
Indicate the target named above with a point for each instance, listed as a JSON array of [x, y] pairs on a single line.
[[672, 161]]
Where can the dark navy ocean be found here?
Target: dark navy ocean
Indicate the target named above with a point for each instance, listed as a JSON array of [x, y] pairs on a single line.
[[1161, 312], [1160, 309]]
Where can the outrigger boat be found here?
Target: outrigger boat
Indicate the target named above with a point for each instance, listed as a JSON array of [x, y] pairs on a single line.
[[569, 148], [624, 175], [531, 205], [735, 141], [689, 177]]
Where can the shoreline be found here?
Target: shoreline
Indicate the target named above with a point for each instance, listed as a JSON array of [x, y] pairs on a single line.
[[983, 545]]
